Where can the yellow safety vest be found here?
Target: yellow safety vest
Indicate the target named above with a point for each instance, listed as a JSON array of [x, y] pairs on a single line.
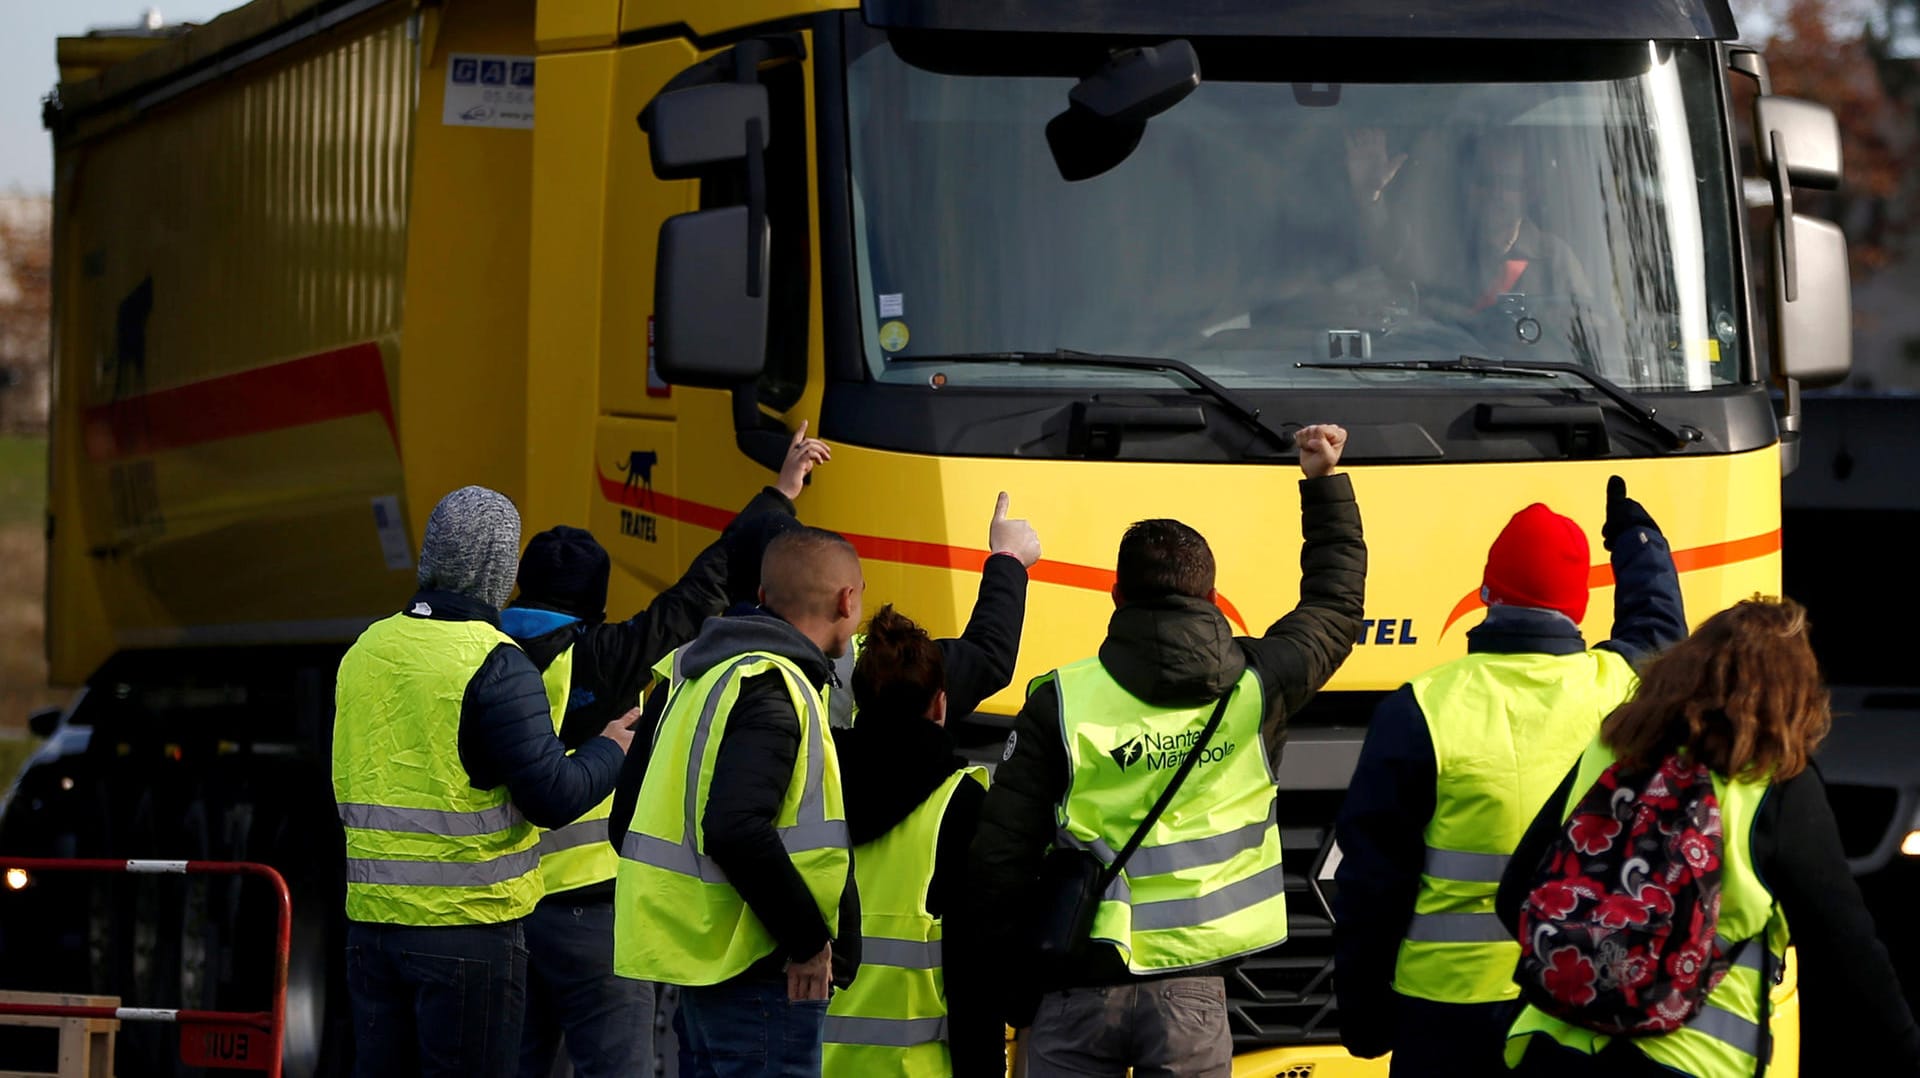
[[423, 846], [1505, 730], [1206, 883], [892, 1022], [577, 855], [1725, 1038], [677, 920]]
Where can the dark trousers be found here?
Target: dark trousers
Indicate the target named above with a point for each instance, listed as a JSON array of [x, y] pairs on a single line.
[[572, 991], [1175, 1027], [748, 1028], [1450, 1040], [1547, 1059], [436, 1001]]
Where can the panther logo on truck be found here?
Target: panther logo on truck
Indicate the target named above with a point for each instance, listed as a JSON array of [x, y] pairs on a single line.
[[639, 469]]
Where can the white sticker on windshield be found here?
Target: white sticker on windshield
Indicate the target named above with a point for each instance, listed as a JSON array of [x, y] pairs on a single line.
[[893, 305]]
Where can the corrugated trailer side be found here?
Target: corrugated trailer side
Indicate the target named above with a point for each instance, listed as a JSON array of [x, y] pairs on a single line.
[[230, 266], [291, 290]]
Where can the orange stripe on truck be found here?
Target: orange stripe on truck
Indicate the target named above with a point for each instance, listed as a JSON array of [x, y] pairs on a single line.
[[882, 548], [1711, 556]]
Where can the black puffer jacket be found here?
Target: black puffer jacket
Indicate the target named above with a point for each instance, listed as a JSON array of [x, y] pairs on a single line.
[[613, 660], [506, 729], [1172, 652], [888, 769]]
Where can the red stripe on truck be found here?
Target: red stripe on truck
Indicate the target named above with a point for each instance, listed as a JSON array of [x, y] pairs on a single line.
[[881, 548], [1711, 556], [331, 385]]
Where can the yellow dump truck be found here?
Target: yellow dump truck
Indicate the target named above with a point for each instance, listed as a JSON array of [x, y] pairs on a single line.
[[320, 261]]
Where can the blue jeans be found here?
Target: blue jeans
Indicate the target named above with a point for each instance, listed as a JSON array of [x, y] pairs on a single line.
[[607, 1019], [436, 1001], [747, 1028]]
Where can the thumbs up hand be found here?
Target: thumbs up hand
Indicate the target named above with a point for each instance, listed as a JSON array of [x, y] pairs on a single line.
[[1015, 537]]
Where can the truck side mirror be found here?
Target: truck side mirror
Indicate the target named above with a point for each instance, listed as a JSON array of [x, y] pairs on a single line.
[[1812, 302], [1802, 136], [710, 298], [1798, 143], [703, 125], [44, 721], [711, 276]]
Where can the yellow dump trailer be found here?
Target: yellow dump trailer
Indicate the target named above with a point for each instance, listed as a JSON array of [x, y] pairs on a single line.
[[320, 261]]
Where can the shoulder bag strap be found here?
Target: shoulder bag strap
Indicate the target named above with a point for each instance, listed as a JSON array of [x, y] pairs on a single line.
[[1166, 796]]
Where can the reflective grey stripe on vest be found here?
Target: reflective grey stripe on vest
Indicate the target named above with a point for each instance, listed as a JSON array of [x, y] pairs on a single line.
[[1458, 928], [1227, 901], [811, 829], [1178, 856], [901, 954], [885, 1032], [436, 822], [1464, 866], [682, 858], [573, 836], [1746, 953], [1729, 1029], [392, 873]]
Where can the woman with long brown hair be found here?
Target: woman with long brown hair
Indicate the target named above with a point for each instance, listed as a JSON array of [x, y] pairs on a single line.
[[1742, 697], [921, 1006]]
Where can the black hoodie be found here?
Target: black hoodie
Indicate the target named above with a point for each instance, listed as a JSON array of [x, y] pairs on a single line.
[[1175, 652], [751, 772]]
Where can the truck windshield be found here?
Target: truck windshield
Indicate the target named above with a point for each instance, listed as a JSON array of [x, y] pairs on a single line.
[[1265, 224]]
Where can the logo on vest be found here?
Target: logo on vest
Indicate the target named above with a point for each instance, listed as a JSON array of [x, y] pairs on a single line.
[[1161, 751]]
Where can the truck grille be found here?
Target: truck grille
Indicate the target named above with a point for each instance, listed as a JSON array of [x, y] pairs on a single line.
[[1285, 995]]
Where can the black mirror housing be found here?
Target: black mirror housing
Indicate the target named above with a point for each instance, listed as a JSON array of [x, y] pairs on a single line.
[[1107, 112], [704, 125], [42, 722], [711, 321], [1084, 145], [1139, 84]]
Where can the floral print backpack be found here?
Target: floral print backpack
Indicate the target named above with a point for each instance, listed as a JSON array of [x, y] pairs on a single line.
[[1618, 932]]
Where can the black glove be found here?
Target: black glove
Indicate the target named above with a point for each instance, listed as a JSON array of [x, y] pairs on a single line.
[[1622, 513]]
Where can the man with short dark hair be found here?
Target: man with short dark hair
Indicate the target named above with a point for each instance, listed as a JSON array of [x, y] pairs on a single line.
[[1094, 747]]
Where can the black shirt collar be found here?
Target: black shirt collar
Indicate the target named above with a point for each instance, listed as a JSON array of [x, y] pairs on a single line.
[[451, 606], [1514, 629]]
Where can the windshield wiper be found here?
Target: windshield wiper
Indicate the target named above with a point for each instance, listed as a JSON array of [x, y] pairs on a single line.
[[1235, 405], [1677, 438]]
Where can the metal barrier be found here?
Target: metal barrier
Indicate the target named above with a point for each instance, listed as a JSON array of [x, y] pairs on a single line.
[[223, 1039]]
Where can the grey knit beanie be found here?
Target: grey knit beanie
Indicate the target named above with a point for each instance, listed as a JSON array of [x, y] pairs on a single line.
[[472, 546]]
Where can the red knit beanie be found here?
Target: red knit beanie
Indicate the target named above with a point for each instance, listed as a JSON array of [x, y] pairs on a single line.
[[1539, 560]]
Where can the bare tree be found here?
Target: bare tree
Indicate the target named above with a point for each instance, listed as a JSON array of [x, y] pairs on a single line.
[[26, 312]]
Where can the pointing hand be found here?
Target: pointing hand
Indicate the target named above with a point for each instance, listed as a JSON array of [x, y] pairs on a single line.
[[803, 453]]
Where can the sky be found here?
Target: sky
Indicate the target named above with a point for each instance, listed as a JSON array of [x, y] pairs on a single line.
[[27, 70]]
